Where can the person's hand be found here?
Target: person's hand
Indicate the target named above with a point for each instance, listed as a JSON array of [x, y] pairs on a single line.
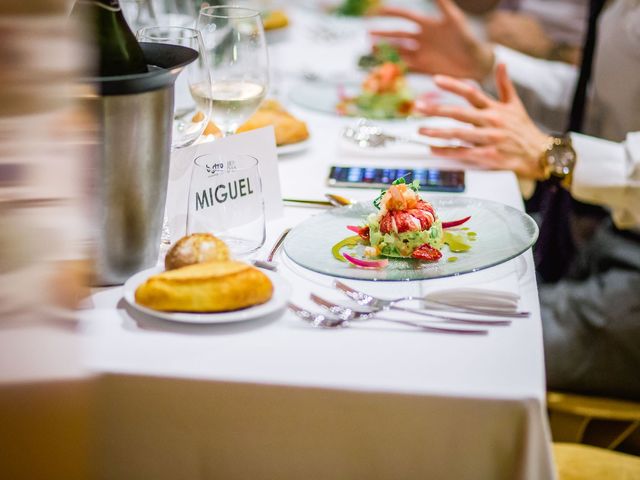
[[501, 136], [442, 45], [520, 32]]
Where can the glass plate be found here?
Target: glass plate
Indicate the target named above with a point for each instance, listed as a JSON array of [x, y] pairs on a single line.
[[501, 233]]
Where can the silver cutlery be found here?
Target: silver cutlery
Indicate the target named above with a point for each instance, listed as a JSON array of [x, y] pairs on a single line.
[[366, 135], [324, 321], [376, 303], [348, 313], [268, 263]]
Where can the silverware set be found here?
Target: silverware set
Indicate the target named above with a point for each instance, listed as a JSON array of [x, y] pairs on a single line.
[[488, 308]]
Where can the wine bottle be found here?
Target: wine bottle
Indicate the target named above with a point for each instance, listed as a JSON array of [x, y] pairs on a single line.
[[118, 50]]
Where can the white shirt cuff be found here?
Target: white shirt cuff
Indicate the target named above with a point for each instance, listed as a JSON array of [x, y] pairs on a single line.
[[601, 177]]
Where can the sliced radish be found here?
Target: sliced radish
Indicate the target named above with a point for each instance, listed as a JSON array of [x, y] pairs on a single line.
[[366, 263], [455, 223]]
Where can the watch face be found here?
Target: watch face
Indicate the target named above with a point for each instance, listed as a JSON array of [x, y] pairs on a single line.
[[561, 159]]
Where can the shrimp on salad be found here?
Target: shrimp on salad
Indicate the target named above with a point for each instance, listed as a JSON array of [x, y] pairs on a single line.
[[404, 226]]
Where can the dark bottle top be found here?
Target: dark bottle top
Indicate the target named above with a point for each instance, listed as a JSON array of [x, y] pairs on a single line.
[[118, 50]]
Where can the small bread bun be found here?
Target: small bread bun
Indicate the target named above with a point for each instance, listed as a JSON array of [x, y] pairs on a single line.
[[206, 287], [196, 248]]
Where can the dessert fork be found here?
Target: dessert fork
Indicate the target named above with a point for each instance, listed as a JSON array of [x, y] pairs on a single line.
[[323, 321], [376, 303]]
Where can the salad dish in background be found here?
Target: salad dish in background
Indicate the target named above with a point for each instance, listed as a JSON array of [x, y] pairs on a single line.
[[384, 95], [382, 52]]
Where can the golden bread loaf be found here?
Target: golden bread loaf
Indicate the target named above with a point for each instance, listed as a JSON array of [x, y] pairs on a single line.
[[206, 287], [195, 248], [288, 129], [275, 19]]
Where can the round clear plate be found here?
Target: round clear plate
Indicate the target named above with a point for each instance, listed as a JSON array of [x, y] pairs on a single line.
[[281, 294], [501, 233]]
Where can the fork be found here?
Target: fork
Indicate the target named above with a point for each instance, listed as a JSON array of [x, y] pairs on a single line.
[[352, 314], [367, 300], [268, 263], [323, 321]]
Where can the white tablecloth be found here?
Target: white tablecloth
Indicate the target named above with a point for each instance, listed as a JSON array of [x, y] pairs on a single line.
[[275, 398]]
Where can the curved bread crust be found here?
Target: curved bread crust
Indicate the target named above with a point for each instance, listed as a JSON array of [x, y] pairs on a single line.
[[195, 248], [288, 129], [206, 287]]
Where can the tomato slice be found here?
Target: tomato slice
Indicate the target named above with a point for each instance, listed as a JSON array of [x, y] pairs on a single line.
[[427, 253]]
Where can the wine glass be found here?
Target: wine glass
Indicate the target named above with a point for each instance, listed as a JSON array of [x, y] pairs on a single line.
[[236, 46], [190, 116], [191, 113]]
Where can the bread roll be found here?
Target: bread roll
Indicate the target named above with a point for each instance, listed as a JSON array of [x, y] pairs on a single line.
[[206, 287], [196, 248], [288, 129]]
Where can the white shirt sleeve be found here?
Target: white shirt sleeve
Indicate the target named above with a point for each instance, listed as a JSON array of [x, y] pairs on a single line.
[[608, 174], [545, 87]]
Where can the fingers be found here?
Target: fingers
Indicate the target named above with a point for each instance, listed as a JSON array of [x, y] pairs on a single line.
[[462, 114], [472, 94], [477, 136], [449, 9], [404, 13], [402, 34], [506, 90]]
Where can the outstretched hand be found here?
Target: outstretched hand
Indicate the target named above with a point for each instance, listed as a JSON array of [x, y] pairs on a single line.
[[501, 136], [441, 45]]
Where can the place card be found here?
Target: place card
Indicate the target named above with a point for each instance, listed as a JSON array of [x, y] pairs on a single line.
[[259, 143]]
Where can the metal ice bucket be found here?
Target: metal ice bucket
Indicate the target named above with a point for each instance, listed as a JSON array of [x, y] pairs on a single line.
[[136, 115]]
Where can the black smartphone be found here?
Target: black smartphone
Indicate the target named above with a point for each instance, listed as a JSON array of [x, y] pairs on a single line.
[[430, 179]]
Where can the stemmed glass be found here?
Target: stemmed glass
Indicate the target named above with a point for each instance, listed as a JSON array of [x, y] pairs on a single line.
[[236, 46], [190, 118], [191, 114]]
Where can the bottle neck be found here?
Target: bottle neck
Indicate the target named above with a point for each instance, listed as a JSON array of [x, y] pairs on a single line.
[[110, 5]]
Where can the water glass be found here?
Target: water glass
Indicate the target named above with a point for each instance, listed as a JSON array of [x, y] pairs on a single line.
[[225, 199]]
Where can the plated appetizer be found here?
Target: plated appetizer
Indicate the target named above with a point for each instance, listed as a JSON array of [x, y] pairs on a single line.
[[404, 226], [384, 95]]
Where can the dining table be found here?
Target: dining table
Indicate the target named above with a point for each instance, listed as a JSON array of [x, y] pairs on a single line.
[[276, 398]]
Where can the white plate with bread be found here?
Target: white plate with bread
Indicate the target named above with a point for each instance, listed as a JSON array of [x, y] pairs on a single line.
[[281, 294], [202, 284]]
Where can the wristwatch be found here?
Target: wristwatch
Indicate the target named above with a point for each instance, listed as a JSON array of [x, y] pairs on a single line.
[[559, 158]]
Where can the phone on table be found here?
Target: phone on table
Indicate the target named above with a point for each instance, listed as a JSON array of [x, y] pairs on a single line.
[[430, 179]]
